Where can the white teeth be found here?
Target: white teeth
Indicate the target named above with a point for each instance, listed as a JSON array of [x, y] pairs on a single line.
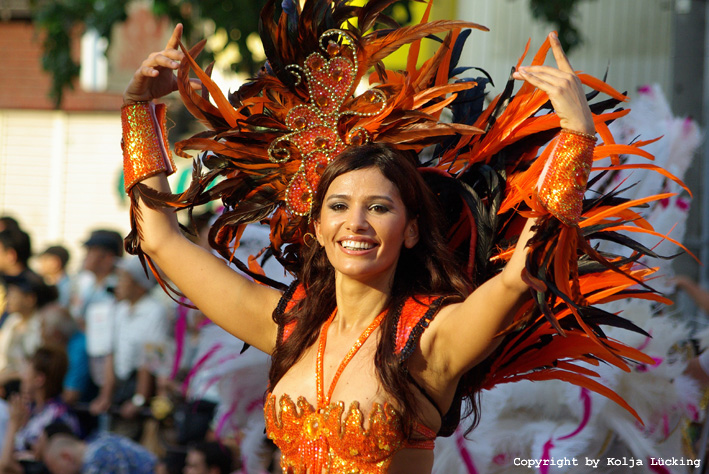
[[356, 245]]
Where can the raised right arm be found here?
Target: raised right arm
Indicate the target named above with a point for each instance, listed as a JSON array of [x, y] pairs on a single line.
[[229, 299]]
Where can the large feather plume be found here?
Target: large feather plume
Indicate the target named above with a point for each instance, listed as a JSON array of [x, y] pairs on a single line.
[[483, 165]]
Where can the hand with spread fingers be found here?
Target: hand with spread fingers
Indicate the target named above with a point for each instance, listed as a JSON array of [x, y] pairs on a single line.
[[563, 87], [155, 78]]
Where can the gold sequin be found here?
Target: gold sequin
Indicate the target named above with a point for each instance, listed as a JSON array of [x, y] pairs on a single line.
[[146, 151], [566, 174], [315, 440], [320, 441]]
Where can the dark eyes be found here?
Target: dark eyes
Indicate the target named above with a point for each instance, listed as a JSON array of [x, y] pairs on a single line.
[[337, 206], [378, 208], [375, 208]]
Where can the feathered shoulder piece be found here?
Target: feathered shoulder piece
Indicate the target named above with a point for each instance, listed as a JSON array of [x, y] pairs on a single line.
[[266, 145]]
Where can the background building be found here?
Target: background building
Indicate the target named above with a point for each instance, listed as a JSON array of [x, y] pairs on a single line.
[[60, 169]]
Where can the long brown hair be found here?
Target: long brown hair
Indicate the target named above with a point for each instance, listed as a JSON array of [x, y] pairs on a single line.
[[426, 269]]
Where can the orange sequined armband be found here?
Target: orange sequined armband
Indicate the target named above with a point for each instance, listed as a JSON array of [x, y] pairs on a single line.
[[146, 151], [562, 184]]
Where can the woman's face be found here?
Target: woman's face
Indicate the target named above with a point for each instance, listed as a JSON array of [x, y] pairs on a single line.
[[363, 225]]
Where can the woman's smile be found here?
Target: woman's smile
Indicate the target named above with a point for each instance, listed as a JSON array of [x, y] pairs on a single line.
[[353, 244]]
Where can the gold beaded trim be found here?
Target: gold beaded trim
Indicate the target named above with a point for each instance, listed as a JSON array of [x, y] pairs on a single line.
[[563, 182], [146, 150], [588, 136]]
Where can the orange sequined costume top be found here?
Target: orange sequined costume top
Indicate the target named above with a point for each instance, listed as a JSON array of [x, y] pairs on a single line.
[[313, 438]]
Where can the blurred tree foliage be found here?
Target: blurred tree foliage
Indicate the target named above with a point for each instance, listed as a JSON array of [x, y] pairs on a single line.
[[60, 19], [560, 13]]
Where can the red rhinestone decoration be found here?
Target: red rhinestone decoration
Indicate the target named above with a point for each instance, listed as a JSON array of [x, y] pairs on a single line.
[[333, 49]]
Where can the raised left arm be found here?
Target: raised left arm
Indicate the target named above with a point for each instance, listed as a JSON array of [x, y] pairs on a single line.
[[463, 334]]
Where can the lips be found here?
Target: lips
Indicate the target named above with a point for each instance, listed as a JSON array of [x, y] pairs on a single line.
[[356, 245]]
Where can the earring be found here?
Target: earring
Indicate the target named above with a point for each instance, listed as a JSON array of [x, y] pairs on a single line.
[[308, 242]]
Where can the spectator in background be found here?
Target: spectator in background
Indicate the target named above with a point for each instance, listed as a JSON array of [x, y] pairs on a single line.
[[7, 222], [105, 454], [92, 303], [27, 294], [52, 267], [103, 249], [139, 320], [208, 457], [60, 329], [7, 256], [15, 251], [50, 430], [8, 389], [698, 366], [39, 405], [699, 295]]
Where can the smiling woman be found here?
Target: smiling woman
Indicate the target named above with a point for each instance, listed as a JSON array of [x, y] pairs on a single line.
[[370, 259], [362, 226], [426, 281], [362, 222]]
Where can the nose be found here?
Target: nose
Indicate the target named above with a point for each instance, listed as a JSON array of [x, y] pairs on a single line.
[[357, 220]]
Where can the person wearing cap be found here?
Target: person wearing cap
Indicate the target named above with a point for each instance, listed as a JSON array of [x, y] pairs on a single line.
[[139, 320], [103, 249], [93, 300], [27, 294], [51, 265]]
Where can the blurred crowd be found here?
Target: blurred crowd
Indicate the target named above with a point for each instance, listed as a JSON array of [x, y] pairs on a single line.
[[102, 371]]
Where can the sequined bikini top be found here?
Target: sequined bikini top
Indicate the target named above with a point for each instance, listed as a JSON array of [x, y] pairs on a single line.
[[315, 439]]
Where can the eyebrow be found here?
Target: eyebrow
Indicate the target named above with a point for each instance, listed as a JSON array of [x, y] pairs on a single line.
[[347, 197]]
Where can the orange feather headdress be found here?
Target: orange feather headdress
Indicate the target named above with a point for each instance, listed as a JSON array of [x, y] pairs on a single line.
[[267, 143]]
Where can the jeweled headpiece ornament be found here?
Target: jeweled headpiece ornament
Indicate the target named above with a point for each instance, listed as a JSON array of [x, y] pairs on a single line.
[[315, 137]]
